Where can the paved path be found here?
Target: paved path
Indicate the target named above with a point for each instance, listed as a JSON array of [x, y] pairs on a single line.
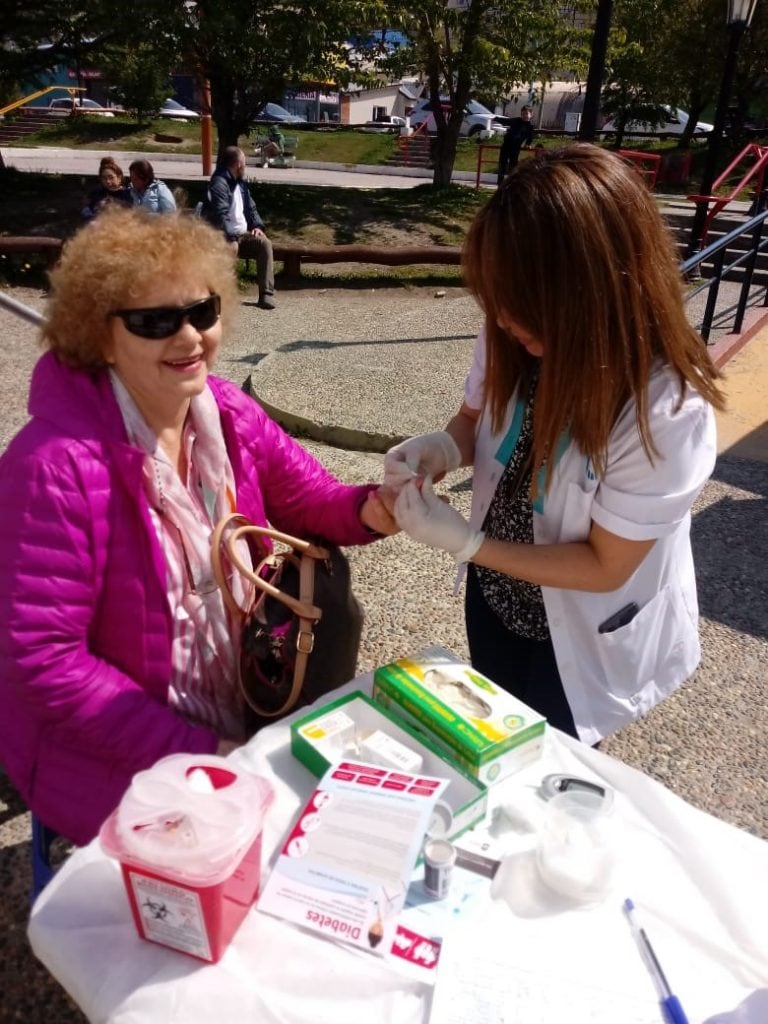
[[392, 360], [54, 160]]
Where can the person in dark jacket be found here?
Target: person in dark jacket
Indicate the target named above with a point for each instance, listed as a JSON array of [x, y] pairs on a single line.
[[519, 135], [109, 190], [230, 207]]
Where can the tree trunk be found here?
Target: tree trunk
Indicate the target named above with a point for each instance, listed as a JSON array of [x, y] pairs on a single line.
[[620, 125], [444, 155], [230, 125], [694, 113]]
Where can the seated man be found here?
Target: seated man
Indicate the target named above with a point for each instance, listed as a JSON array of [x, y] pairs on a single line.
[[276, 145], [229, 206]]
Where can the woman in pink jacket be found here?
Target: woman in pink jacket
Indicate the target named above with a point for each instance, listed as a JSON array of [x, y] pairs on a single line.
[[115, 648]]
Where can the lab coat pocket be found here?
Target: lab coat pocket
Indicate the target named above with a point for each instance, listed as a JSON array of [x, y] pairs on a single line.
[[637, 658]]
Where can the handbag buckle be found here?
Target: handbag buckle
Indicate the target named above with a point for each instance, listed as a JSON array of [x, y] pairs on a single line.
[[305, 641]]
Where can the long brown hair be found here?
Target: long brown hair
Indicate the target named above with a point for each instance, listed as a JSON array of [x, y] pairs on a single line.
[[572, 248]]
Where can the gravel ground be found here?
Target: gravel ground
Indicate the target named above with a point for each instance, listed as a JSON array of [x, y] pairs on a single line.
[[392, 361]]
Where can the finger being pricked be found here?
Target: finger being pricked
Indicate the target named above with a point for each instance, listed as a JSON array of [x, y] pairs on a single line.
[[377, 516]]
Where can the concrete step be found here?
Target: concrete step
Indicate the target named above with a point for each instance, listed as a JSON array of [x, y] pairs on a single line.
[[679, 220], [26, 124], [412, 160]]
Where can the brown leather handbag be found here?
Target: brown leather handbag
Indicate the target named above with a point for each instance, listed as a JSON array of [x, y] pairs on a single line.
[[300, 632]]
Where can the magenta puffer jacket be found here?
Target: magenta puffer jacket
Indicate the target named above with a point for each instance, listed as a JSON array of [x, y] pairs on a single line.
[[85, 640]]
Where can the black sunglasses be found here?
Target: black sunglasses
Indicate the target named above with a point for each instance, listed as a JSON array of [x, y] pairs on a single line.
[[165, 321]]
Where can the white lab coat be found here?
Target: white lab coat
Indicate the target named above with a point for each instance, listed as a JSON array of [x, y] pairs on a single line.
[[613, 678]]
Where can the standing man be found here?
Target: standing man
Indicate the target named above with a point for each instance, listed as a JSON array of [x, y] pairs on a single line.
[[230, 207], [518, 136]]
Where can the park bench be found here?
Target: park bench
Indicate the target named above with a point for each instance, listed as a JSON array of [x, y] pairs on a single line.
[[290, 254], [288, 157], [22, 245], [293, 254]]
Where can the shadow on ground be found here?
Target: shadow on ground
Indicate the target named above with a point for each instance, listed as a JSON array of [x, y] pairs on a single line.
[[730, 542]]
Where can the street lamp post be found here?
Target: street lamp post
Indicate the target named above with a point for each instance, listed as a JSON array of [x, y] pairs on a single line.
[[205, 125], [739, 17], [194, 11]]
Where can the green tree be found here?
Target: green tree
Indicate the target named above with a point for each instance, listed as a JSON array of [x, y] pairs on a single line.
[[486, 48], [636, 79], [248, 52], [141, 77]]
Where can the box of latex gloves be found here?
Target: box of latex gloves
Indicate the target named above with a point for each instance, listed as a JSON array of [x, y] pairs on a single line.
[[354, 729], [482, 728]]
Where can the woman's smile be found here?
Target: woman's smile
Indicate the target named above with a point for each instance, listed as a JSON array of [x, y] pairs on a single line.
[[163, 374]]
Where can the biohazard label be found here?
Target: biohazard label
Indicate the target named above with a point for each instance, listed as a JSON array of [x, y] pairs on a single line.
[[171, 915]]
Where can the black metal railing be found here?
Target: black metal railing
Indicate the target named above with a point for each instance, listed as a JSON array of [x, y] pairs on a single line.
[[717, 253]]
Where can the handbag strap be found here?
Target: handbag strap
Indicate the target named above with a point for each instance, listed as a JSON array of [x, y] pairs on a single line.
[[306, 612]]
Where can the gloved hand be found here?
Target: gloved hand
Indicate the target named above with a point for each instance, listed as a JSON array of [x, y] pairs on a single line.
[[429, 520], [423, 455]]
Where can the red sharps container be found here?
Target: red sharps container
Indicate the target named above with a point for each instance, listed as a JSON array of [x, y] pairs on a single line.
[[187, 834]]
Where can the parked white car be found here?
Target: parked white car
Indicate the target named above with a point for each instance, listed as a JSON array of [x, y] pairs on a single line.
[[388, 123], [477, 118], [675, 124], [66, 104], [176, 112]]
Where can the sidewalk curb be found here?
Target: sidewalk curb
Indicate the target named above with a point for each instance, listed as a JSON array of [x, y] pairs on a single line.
[[727, 347], [348, 438]]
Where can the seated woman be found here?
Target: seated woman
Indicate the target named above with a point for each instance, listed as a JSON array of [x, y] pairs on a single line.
[[116, 648], [147, 191], [109, 190]]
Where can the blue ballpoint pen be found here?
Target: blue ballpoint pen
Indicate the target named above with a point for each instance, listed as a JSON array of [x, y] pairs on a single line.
[[673, 1011]]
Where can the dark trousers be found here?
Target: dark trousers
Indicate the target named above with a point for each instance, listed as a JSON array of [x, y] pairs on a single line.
[[525, 668]]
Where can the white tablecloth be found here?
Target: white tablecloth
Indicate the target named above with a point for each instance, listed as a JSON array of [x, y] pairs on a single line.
[[701, 885]]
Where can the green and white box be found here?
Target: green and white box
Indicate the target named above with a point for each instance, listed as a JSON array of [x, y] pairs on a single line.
[[484, 729], [330, 734]]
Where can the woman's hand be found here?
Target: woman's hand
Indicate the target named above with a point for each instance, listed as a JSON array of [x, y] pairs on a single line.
[[427, 518], [377, 512], [426, 454]]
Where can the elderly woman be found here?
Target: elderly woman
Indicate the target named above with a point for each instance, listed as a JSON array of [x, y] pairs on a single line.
[[115, 648], [149, 192]]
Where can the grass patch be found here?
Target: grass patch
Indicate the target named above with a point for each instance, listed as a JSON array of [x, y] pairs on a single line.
[[118, 133], [362, 276], [50, 204]]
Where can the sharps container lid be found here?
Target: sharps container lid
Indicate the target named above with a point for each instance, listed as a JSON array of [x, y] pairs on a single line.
[[189, 815]]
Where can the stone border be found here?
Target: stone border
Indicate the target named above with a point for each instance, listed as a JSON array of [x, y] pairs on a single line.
[[347, 438]]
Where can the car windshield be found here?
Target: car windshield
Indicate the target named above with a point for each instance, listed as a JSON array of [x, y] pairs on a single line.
[[275, 110], [173, 105], [473, 107]]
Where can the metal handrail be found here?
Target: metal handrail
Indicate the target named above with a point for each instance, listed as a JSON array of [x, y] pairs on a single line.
[[717, 252], [482, 149], [719, 202], [71, 89]]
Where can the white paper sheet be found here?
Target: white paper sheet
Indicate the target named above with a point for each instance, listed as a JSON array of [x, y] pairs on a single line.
[[503, 971]]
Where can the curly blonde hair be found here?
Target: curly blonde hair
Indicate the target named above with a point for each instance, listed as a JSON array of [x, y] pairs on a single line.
[[111, 262]]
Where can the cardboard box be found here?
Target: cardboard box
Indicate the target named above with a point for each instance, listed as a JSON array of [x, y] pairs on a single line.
[[315, 742], [480, 727]]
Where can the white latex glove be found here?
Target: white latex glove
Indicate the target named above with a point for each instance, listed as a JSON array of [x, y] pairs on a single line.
[[427, 519], [423, 455]]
